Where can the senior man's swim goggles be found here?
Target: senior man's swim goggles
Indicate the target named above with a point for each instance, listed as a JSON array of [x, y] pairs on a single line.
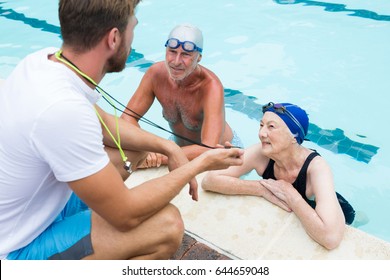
[[188, 46], [279, 108]]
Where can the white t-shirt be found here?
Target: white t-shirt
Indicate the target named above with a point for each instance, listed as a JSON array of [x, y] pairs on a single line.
[[49, 135]]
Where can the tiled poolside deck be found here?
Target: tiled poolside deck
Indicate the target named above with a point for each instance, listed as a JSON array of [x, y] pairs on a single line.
[[192, 249]]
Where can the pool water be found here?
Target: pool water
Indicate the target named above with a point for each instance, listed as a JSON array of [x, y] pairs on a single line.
[[331, 58]]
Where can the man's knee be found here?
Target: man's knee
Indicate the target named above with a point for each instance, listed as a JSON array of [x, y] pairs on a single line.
[[173, 221], [173, 228]]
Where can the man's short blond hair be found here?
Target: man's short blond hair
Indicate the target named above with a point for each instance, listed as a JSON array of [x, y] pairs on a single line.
[[85, 23]]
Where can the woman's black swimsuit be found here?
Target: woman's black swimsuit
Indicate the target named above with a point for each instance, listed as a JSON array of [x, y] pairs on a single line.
[[300, 186]]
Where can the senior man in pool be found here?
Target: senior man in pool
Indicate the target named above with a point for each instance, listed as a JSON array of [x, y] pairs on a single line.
[[191, 96]]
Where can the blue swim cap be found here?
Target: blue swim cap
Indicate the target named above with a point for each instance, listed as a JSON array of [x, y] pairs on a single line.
[[294, 117]]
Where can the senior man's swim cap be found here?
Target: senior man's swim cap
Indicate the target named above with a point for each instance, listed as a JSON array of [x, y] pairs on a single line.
[[187, 32], [294, 117]]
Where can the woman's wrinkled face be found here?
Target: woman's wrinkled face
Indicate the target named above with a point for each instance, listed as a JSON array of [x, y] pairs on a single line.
[[274, 134]]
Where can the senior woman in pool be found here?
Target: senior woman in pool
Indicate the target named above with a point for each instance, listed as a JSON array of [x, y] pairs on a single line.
[[295, 178]]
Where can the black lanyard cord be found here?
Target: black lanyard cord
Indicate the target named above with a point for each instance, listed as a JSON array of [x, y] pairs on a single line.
[[145, 120], [136, 115]]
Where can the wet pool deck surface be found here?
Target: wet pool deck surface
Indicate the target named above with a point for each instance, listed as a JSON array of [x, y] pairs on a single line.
[[191, 249]]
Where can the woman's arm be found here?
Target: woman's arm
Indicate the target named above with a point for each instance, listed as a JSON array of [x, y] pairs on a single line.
[[228, 181], [325, 224]]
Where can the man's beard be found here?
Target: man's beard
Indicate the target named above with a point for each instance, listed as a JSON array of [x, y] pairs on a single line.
[[182, 76], [117, 62]]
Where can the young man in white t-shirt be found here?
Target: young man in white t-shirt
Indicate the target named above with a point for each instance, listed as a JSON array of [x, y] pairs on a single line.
[[61, 196]]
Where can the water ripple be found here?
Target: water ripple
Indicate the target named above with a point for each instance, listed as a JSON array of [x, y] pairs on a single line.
[[333, 7]]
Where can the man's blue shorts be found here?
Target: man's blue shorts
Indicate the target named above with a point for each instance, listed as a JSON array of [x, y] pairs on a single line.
[[67, 238]]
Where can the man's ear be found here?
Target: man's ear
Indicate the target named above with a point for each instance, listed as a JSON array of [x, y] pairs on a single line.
[[199, 57], [113, 38]]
